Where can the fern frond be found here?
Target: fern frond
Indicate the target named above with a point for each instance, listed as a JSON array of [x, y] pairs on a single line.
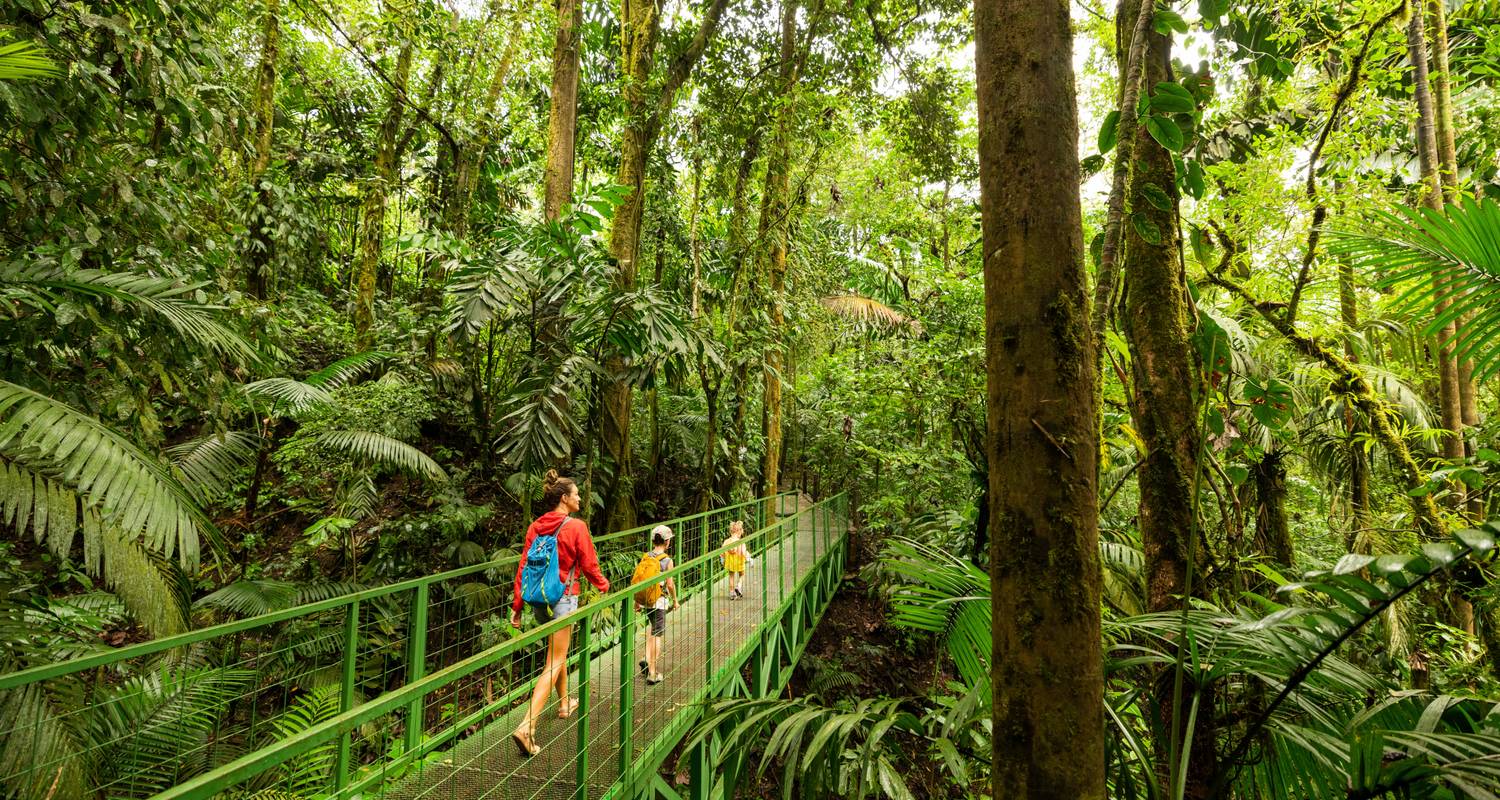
[[207, 464], [251, 598], [56, 462], [294, 396], [383, 450], [25, 61], [166, 298], [309, 773], [43, 752]]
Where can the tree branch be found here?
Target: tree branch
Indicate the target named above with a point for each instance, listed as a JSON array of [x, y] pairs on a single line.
[[1320, 210]]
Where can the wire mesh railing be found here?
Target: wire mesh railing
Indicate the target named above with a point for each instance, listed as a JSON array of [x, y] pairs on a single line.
[[621, 725], [433, 661]]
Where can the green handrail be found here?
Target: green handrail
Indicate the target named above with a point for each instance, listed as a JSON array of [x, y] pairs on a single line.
[[262, 760], [83, 663]]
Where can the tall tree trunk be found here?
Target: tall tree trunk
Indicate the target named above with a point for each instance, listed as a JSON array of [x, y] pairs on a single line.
[[639, 23], [775, 226], [1157, 323], [1273, 534], [1359, 459], [562, 118], [1042, 439], [377, 191], [739, 212], [1468, 391], [641, 20], [1432, 197], [260, 279]]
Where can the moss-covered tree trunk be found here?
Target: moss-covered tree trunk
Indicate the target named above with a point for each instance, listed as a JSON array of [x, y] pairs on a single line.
[[1359, 458], [1157, 320], [258, 280], [775, 227], [376, 194], [562, 116], [1449, 394], [1041, 443], [1273, 533]]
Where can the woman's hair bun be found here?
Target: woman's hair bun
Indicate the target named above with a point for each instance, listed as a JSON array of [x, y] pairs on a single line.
[[550, 479]]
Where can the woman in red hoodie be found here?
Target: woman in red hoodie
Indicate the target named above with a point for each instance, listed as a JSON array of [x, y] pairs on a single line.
[[575, 556]]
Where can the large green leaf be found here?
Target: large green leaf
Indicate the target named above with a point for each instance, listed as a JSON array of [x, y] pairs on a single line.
[[58, 464], [1424, 254]]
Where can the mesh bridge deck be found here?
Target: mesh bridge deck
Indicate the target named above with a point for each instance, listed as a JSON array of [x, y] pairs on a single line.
[[488, 764]]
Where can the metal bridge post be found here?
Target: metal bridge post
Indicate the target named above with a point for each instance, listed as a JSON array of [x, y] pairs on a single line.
[[584, 689], [346, 696], [708, 636], [416, 662], [627, 686]]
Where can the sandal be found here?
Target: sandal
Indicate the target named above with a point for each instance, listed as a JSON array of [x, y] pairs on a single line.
[[645, 667], [654, 679], [524, 742], [566, 708]]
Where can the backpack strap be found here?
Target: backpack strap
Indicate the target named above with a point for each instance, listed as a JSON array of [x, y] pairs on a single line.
[[573, 574]]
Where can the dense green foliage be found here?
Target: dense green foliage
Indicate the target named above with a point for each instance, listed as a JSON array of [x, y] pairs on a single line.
[[196, 424]]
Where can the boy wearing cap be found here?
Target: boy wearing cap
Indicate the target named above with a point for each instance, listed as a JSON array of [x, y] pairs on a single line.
[[661, 540]]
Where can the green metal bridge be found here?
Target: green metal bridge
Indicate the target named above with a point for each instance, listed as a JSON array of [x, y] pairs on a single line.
[[410, 691]]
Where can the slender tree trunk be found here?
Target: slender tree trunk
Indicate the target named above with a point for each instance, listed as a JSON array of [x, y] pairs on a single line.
[[377, 191], [260, 278], [1432, 197], [1131, 50], [739, 212], [775, 225], [1468, 390], [1359, 459], [1157, 323], [639, 23], [562, 118], [1042, 440]]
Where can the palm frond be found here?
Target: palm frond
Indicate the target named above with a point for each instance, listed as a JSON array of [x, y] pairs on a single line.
[[56, 463], [827, 751], [253, 597], [1457, 249], [383, 450], [539, 427], [340, 372], [207, 464], [43, 751], [26, 60], [167, 298], [157, 729], [294, 396], [152, 588], [308, 773], [867, 311]]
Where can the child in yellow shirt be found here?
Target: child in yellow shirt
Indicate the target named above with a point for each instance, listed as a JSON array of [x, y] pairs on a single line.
[[734, 558]]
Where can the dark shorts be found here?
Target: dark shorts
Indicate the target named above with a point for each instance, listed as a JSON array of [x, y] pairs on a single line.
[[545, 614], [658, 617]]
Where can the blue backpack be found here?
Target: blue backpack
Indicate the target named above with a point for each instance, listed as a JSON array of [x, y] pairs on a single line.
[[540, 584]]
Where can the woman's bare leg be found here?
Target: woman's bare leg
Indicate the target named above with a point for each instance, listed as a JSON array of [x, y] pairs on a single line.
[[557, 661], [560, 643]]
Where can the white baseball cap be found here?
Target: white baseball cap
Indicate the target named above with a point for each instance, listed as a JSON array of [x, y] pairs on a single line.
[[661, 531]]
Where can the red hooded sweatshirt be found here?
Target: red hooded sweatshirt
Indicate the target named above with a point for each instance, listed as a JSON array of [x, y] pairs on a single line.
[[574, 548]]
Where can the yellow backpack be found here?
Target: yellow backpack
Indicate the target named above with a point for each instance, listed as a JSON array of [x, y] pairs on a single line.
[[648, 568]]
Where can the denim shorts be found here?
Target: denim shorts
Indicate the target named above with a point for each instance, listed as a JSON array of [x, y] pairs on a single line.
[[545, 614]]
